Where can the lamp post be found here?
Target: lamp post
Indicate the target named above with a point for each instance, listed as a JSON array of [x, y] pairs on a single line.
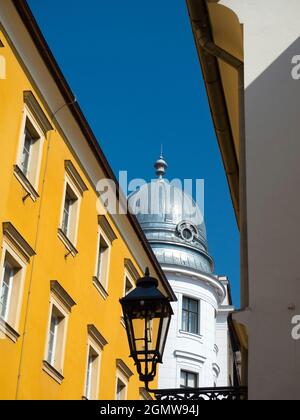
[[147, 316]]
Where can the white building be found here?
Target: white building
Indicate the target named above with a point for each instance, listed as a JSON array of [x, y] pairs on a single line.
[[198, 351], [250, 53]]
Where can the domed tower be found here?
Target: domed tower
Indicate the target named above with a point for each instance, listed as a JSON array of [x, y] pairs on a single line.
[[197, 349]]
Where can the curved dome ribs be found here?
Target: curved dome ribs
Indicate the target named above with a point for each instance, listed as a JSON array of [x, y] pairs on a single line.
[[172, 222]]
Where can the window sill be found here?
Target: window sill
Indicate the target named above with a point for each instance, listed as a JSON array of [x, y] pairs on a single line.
[[8, 331], [26, 184], [187, 334], [100, 288], [67, 243], [51, 371]]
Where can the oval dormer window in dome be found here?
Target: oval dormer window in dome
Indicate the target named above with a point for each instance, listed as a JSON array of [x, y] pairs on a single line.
[[187, 231]]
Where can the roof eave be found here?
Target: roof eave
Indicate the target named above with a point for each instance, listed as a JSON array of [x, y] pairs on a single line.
[[42, 46], [198, 13]]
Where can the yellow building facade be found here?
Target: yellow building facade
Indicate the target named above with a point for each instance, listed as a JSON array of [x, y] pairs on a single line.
[[65, 262]]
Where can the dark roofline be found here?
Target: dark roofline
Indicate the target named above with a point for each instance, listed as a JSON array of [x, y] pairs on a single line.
[[44, 50], [199, 17]]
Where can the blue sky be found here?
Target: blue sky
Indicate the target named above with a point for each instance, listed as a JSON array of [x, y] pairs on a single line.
[[134, 69]]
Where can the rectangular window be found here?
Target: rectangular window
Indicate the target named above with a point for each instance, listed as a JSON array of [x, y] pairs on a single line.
[[10, 289], [70, 214], [190, 315], [92, 374], [188, 379], [6, 290], [26, 152], [29, 160], [56, 337], [103, 259], [67, 214], [121, 392], [129, 284], [61, 305]]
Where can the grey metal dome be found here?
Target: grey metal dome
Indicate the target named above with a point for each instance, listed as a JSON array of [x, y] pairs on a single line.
[[173, 223]]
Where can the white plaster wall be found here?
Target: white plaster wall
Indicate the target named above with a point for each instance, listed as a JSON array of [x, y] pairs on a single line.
[[222, 341], [270, 27], [272, 103], [187, 351]]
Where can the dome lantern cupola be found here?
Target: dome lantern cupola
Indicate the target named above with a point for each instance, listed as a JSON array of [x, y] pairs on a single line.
[[161, 166]]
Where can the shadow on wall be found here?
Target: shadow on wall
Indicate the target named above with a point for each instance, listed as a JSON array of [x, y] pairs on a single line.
[[273, 148], [272, 105]]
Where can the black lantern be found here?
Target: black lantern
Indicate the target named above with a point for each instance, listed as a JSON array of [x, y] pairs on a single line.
[[147, 315]]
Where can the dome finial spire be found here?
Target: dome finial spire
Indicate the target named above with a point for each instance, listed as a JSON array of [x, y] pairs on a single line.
[[161, 165]]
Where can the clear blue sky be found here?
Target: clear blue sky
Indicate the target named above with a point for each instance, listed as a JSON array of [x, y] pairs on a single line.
[[134, 69]]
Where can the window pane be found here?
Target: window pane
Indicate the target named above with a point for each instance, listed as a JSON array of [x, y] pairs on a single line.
[[121, 389], [5, 291], [183, 379], [185, 323], [100, 255], [52, 339], [66, 215], [188, 379], [89, 376], [102, 261], [190, 315], [26, 155], [193, 305], [193, 324], [128, 286], [185, 303], [192, 380]]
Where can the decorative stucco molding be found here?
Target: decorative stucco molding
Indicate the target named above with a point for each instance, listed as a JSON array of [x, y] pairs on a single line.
[[97, 336], [12, 234], [62, 295], [37, 112]]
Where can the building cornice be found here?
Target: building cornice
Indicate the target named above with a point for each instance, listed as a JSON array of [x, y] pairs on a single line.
[[209, 279]]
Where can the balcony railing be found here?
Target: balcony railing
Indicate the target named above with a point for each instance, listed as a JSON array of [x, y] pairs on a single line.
[[203, 394]]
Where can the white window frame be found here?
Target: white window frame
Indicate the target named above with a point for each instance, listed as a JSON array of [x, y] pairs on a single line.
[[71, 238], [58, 366], [123, 374], [122, 378], [10, 286], [128, 276], [34, 180], [103, 282], [9, 325], [96, 349], [190, 362], [185, 294], [195, 374], [2, 67]]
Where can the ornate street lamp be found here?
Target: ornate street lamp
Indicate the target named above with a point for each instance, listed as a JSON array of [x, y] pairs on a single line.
[[147, 315]]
